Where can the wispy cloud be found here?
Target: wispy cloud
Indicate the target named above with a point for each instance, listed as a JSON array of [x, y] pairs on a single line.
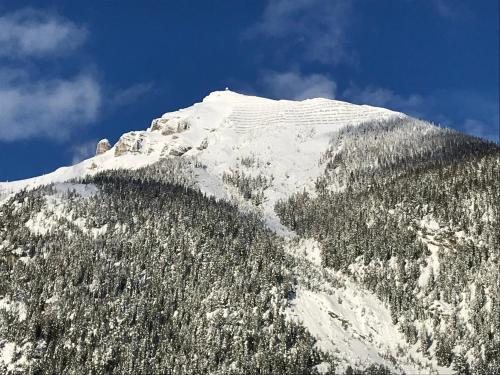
[[29, 32], [451, 9], [129, 94], [316, 27], [294, 85], [48, 108], [383, 97], [83, 151]]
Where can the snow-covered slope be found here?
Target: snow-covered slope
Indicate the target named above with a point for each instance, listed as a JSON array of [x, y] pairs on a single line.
[[348, 320], [282, 140]]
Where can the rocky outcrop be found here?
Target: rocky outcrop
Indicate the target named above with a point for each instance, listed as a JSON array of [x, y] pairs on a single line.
[[102, 146], [203, 145], [168, 126], [121, 148], [159, 124], [129, 143], [179, 150]]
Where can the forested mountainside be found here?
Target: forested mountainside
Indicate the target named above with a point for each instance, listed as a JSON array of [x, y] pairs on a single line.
[[244, 235], [411, 211], [134, 272], [177, 283]]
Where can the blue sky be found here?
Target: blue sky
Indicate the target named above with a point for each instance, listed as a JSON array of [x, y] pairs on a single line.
[[72, 72]]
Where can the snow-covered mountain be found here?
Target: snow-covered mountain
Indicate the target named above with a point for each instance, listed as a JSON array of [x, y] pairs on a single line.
[[275, 159], [279, 138]]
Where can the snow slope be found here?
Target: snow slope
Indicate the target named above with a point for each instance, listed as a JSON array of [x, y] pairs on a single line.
[[284, 138], [349, 321]]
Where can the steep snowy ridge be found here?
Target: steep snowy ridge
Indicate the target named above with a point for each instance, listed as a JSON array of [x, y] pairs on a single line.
[[286, 138]]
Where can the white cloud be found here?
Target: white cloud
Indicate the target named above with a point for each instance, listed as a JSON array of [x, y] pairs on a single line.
[[46, 108], [33, 106], [29, 32], [316, 27], [294, 85]]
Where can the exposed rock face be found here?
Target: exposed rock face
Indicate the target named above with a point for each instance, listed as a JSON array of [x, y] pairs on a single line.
[[102, 146], [158, 123], [129, 143], [179, 150], [203, 145], [169, 126], [121, 148]]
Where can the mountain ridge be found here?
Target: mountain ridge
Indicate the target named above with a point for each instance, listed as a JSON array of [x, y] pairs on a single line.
[[215, 110]]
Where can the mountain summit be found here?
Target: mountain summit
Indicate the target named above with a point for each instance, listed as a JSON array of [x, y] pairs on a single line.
[[285, 138]]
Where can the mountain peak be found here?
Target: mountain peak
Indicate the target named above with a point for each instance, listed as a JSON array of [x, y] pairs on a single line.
[[288, 137], [232, 97]]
